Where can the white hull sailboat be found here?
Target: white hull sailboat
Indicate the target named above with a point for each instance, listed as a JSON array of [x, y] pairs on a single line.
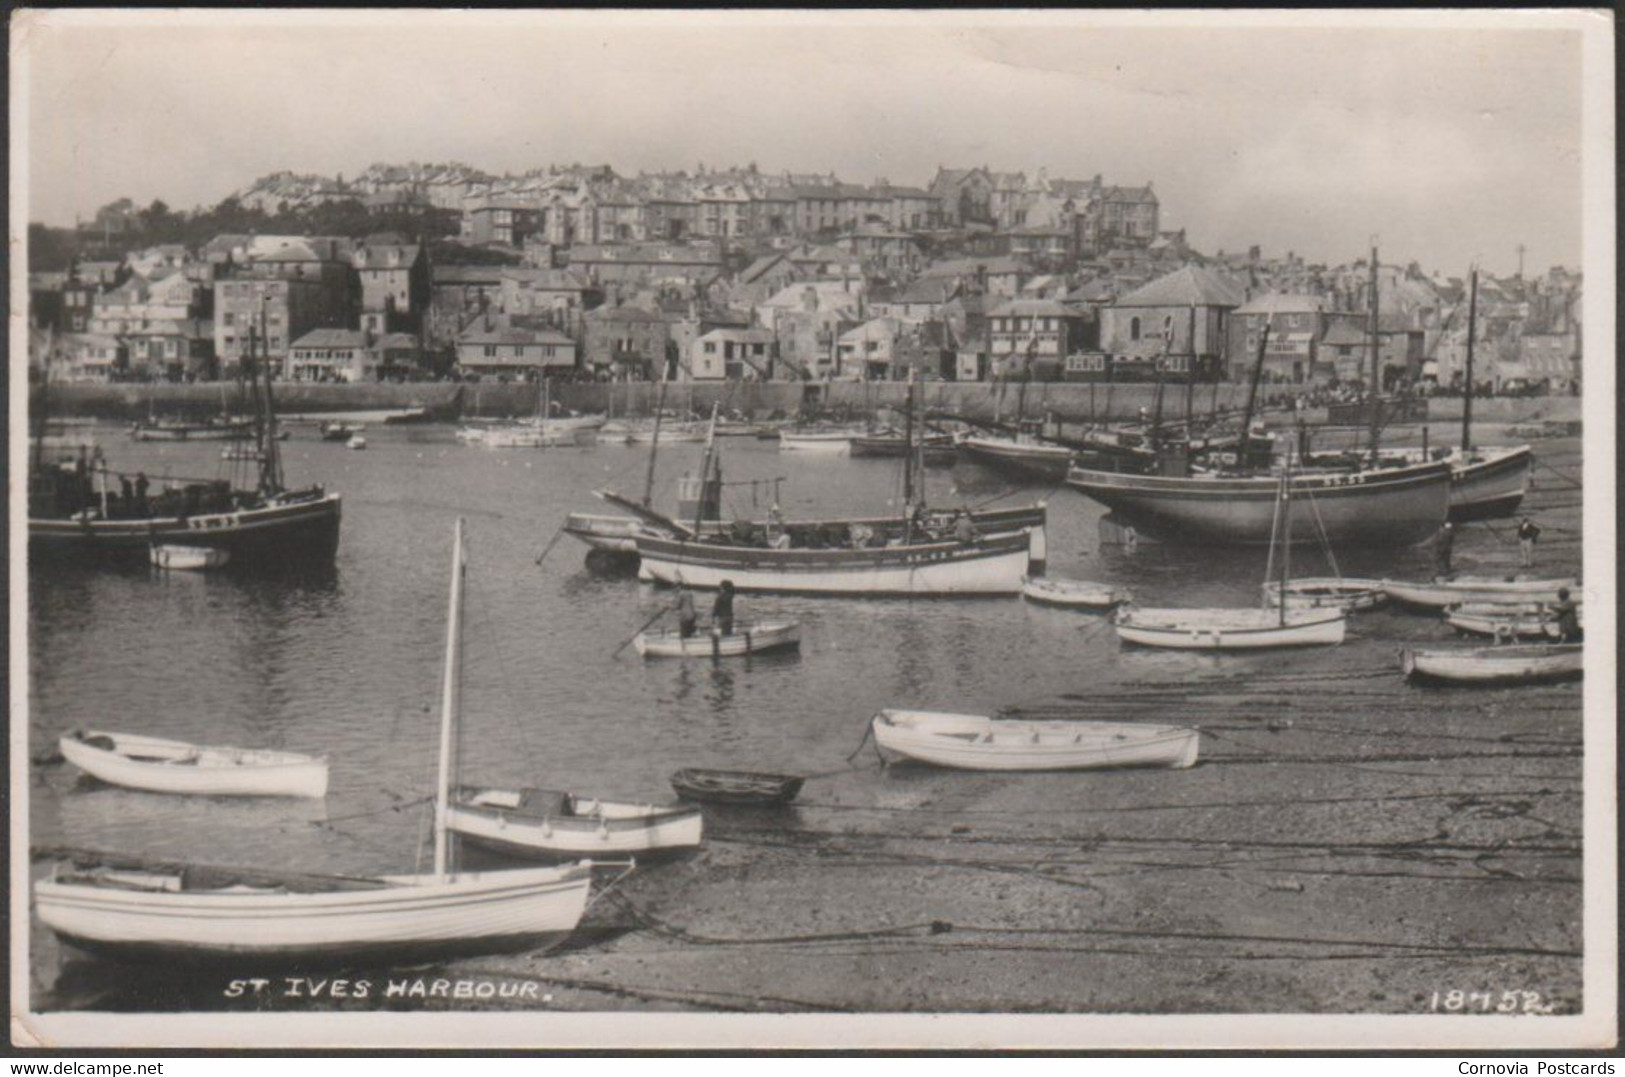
[[547, 824], [977, 742], [171, 766], [195, 915]]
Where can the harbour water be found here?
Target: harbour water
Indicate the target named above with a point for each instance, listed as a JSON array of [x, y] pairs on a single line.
[[348, 662]]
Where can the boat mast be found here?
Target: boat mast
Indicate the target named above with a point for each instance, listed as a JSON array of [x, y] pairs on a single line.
[[1467, 389], [908, 463], [654, 445], [1252, 396], [1286, 532], [709, 464], [1375, 395], [270, 461], [450, 696]]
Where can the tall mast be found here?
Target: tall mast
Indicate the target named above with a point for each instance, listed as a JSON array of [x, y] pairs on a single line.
[[270, 462], [1252, 394], [707, 466], [1467, 389], [1286, 533], [654, 445], [1375, 395], [450, 698], [908, 462]]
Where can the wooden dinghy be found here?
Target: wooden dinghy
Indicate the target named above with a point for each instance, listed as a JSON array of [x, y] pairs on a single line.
[[1327, 592], [828, 442], [1527, 664], [189, 558], [736, 786], [172, 766], [1230, 629], [306, 920], [745, 639], [549, 824], [1441, 593], [976, 742], [1503, 623], [1072, 594]]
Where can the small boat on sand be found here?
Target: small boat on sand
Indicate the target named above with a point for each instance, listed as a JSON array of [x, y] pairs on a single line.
[[1438, 594], [1230, 629], [1504, 622], [1326, 592], [745, 639], [550, 824], [1496, 665], [736, 786], [171, 766], [189, 558], [976, 742], [1072, 594]]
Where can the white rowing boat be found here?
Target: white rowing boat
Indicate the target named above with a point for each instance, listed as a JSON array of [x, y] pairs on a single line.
[[1500, 624], [192, 915], [1497, 665], [977, 742], [189, 558], [1326, 592], [1441, 593], [745, 639], [547, 824], [1072, 594], [171, 766], [1230, 629], [828, 442]]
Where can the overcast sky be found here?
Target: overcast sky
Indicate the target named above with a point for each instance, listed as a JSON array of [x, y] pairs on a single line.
[[1447, 145]]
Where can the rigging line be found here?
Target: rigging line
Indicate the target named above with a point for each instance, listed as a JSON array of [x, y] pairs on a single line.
[[1325, 539]]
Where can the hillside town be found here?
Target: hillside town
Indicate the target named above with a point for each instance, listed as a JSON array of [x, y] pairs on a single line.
[[441, 271]]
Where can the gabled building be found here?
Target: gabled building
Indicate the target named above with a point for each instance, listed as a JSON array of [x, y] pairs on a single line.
[[1034, 337], [869, 351], [331, 355], [626, 343], [1180, 320], [523, 354], [179, 349], [394, 286], [735, 354], [964, 195]]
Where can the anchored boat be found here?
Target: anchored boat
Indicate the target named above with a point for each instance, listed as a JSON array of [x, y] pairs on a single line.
[[746, 638], [1460, 589], [736, 786], [1072, 594], [1497, 665], [976, 742], [1326, 592], [171, 766]]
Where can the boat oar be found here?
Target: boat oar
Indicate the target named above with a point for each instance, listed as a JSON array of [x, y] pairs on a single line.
[[553, 542], [663, 611]]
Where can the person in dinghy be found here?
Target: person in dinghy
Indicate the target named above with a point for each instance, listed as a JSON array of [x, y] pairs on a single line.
[[722, 610]]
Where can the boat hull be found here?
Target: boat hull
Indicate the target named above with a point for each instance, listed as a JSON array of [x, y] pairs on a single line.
[[1496, 665], [1327, 592], [291, 532], [644, 830], [1045, 463], [1229, 630], [1072, 594], [404, 918], [1398, 507], [603, 532], [974, 742], [745, 639], [825, 444], [736, 787], [214, 771], [1441, 593], [193, 433], [990, 566]]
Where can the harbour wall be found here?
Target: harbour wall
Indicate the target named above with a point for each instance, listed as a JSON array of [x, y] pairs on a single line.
[[1070, 401]]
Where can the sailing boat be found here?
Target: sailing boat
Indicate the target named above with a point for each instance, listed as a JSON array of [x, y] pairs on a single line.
[[1224, 629], [268, 525], [903, 557], [172, 913]]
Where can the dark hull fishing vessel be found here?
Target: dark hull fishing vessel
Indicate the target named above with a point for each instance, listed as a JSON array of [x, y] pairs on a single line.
[[72, 512]]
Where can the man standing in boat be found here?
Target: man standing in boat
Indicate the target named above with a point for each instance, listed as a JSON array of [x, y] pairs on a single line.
[[965, 528], [1527, 534], [722, 611], [1442, 547], [1568, 618], [687, 618]]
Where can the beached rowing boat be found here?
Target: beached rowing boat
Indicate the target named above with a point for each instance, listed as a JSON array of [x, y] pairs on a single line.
[[976, 742], [171, 766], [1459, 589], [1072, 594], [550, 824], [1497, 665], [736, 786]]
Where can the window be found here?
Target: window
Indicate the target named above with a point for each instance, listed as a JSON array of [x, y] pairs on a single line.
[[1134, 328], [490, 351], [710, 347]]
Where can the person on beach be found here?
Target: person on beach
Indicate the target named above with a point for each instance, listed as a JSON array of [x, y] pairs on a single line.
[[687, 619], [1442, 547], [722, 611], [1527, 534], [1568, 618]]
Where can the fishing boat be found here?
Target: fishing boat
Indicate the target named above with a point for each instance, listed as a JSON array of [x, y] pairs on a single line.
[[1486, 483], [1463, 589], [1286, 625], [172, 766], [74, 513], [551, 824], [938, 450], [188, 913], [1326, 592], [746, 638], [1026, 454], [189, 558], [234, 429], [1529, 664], [605, 532], [1072, 594], [826, 442], [742, 787], [976, 742]]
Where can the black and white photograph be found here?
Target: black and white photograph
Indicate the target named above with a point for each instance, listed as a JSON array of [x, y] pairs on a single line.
[[812, 529]]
